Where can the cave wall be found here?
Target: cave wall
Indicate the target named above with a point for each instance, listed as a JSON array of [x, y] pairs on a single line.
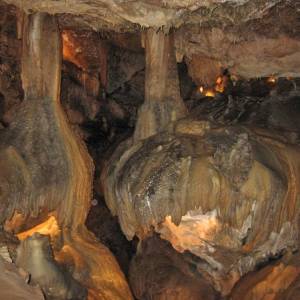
[[206, 51]]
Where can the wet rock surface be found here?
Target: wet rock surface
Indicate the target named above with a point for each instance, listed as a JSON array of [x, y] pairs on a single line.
[[35, 256], [107, 229], [13, 284], [208, 181], [159, 272], [252, 128]]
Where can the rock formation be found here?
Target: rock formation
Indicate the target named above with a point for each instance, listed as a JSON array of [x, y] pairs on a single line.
[[13, 284], [208, 189], [205, 187], [46, 170], [208, 192], [213, 34], [36, 257]]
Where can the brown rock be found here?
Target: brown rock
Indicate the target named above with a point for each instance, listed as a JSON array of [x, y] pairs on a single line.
[[13, 286]]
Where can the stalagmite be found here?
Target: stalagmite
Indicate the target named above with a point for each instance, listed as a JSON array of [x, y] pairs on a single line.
[[200, 170], [207, 188], [46, 170]]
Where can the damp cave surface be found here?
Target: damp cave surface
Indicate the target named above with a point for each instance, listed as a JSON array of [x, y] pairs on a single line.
[[165, 151]]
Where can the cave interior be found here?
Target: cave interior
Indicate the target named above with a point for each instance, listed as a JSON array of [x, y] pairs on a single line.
[[149, 150]]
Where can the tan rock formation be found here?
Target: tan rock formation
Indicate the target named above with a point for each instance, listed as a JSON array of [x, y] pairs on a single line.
[[149, 13], [209, 191], [245, 53], [163, 103], [276, 281], [206, 188], [249, 37], [46, 170], [13, 285]]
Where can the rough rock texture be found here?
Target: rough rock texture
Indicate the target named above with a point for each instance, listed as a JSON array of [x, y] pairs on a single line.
[[122, 66], [277, 112], [8, 246], [45, 168], [278, 280], [218, 185], [10, 81], [205, 187], [24, 144], [35, 256], [224, 33], [246, 52], [149, 13], [13, 285], [163, 103], [158, 272]]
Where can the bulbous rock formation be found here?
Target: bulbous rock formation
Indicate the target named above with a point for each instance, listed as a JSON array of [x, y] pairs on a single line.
[[226, 194], [46, 171]]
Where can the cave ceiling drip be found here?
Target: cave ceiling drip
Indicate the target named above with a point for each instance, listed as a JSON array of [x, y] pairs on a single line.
[[125, 15], [251, 38]]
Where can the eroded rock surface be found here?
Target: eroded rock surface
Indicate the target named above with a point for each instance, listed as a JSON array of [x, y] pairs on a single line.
[[13, 285], [208, 189], [36, 257], [148, 13], [213, 34], [38, 174], [159, 272]]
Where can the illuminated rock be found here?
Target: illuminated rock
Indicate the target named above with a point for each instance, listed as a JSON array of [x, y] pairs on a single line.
[[46, 170], [36, 257], [226, 194]]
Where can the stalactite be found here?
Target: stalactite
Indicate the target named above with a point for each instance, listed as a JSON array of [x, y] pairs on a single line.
[[163, 103], [47, 169]]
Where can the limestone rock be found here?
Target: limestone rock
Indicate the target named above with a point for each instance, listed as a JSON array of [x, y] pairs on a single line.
[[159, 272], [214, 33], [209, 194], [13, 286], [36, 257], [39, 177]]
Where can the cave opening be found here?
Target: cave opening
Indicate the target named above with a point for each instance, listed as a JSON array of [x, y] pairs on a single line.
[[149, 156]]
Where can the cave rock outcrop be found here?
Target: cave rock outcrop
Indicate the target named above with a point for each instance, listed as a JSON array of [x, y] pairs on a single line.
[[227, 194]]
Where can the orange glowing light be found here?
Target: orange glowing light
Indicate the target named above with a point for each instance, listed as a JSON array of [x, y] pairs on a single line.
[[67, 46], [49, 227], [201, 89], [71, 49], [271, 79], [191, 232], [209, 93], [219, 80], [220, 84]]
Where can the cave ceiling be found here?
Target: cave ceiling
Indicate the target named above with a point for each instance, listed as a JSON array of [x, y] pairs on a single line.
[[131, 15], [251, 38]]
